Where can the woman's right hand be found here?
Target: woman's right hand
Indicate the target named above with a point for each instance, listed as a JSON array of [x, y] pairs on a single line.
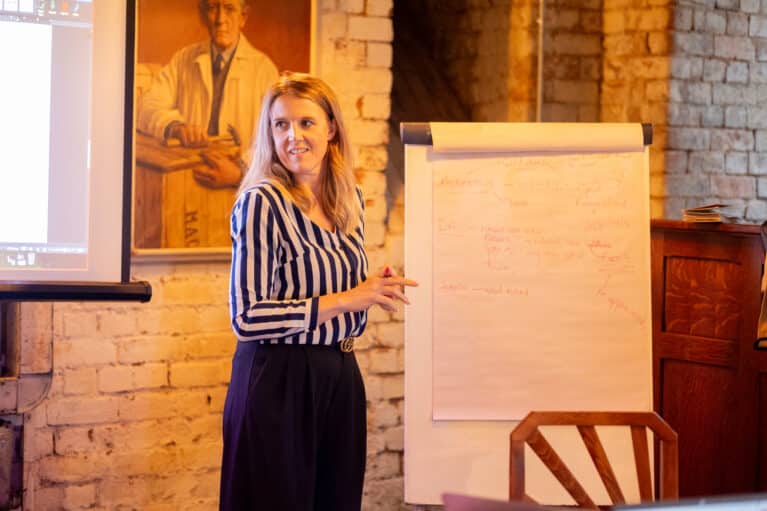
[[384, 288]]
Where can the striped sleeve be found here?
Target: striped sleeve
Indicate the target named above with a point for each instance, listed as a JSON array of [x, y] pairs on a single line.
[[255, 242]]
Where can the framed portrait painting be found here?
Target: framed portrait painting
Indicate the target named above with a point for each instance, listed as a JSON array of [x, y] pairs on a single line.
[[201, 69]]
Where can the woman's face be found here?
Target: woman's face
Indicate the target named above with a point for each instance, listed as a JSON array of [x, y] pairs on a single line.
[[301, 131]]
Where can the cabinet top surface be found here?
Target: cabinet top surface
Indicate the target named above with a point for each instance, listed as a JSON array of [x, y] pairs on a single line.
[[663, 224]]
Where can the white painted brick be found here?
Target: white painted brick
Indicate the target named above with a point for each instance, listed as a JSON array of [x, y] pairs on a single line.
[[332, 26], [757, 163], [384, 360], [712, 116], [737, 72], [376, 443], [169, 320], [81, 381], [735, 117], [195, 402], [370, 29], [191, 291], [376, 255], [706, 162], [728, 47], [215, 318], [199, 374], [354, 6], [76, 440], [742, 187], [391, 335], [79, 324], [82, 411], [377, 314], [395, 250], [150, 376], [328, 5], [149, 405], [758, 26], [83, 353], [376, 106], [115, 323], [38, 443], [116, 379], [383, 466], [45, 498], [687, 185], [373, 183], [393, 386], [395, 439], [368, 81], [375, 210], [749, 6], [756, 117], [756, 210], [214, 345], [383, 415], [738, 140], [369, 132], [80, 496], [736, 163], [383, 494], [379, 8], [371, 157], [155, 349], [379, 54]]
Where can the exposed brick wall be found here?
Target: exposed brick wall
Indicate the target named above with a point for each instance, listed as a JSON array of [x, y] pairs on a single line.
[[486, 50], [717, 135], [133, 416], [636, 70], [572, 63]]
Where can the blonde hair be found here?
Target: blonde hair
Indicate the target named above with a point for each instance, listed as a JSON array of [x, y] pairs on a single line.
[[338, 196]]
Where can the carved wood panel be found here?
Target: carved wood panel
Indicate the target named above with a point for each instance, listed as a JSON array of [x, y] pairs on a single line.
[[702, 297]]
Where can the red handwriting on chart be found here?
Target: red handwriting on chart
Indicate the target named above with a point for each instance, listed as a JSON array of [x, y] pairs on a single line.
[[618, 304], [497, 290]]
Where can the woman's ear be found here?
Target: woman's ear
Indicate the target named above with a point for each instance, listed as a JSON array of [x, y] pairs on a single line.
[[332, 128]]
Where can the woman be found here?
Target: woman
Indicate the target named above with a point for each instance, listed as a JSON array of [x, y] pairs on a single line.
[[294, 419]]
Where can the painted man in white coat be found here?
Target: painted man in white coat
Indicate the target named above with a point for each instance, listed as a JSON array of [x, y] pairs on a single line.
[[209, 89]]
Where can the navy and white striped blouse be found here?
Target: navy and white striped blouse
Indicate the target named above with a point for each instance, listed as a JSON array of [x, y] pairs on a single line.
[[282, 262]]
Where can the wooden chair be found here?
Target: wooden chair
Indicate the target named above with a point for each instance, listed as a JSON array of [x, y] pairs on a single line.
[[527, 432]]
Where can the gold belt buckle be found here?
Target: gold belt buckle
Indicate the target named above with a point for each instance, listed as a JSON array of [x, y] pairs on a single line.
[[347, 345]]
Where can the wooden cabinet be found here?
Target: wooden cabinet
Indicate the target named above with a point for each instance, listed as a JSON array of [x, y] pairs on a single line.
[[709, 382]]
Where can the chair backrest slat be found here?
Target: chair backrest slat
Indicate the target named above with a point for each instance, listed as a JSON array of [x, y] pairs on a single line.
[[642, 461], [527, 432], [602, 463], [669, 476], [554, 463]]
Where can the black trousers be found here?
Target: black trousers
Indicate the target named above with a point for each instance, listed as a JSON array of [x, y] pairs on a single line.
[[294, 430]]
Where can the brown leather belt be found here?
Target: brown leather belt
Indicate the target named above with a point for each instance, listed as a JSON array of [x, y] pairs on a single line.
[[346, 345]]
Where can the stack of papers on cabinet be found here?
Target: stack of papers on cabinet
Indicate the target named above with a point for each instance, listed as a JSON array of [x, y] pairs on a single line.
[[707, 213]]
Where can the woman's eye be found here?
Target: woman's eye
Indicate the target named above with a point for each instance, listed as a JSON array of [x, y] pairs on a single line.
[[307, 122], [279, 124]]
